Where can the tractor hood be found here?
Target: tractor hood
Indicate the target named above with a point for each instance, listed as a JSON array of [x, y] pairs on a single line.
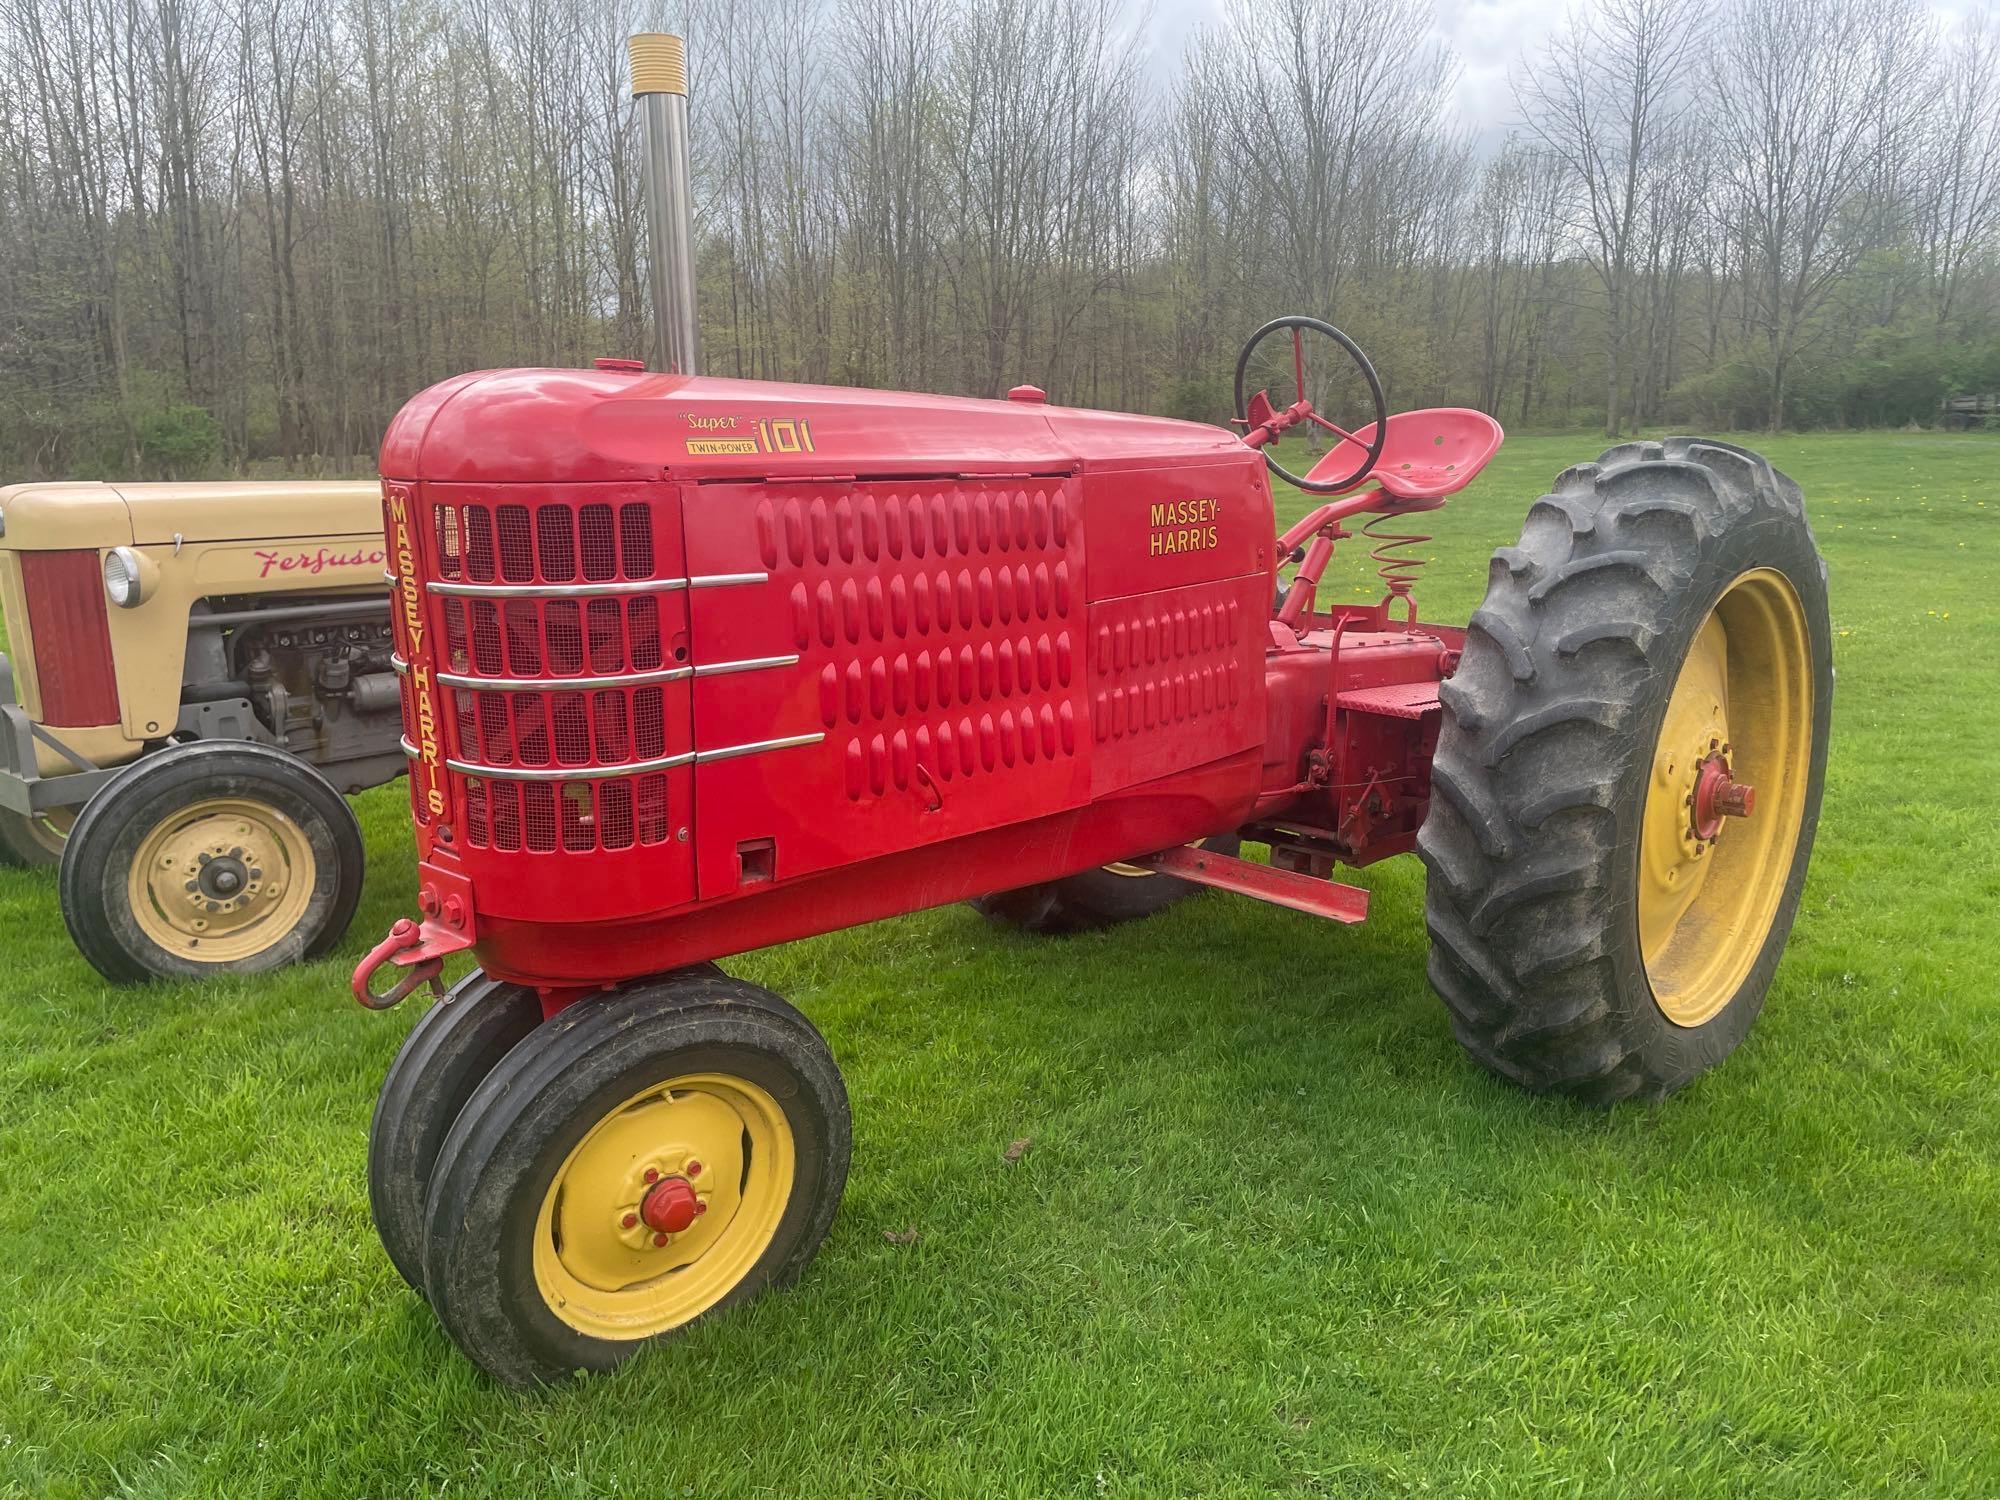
[[556, 426], [62, 515]]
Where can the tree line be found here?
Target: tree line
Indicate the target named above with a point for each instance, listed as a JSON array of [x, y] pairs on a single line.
[[244, 231]]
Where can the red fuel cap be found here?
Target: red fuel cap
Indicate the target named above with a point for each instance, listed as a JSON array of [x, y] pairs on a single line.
[[1034, 395]]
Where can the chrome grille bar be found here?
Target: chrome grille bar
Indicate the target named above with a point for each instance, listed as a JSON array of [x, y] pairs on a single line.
[[562, 684], [628, 768], [449, 589]]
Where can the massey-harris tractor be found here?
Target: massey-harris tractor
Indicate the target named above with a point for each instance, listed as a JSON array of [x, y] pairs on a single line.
[[202, 670], [699, 665]]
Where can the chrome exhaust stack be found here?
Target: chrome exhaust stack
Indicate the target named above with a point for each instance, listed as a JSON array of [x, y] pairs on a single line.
[[659, 83]]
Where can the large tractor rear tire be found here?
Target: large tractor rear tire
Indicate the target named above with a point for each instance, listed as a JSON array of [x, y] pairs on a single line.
[[1628, 776], [34, 841], [215, 857], [1096, 898]]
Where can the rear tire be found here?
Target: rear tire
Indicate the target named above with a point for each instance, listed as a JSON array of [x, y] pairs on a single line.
[[210, 858], [537, 1259], [445, 1058], [1096, 898], [1586, 938], [35, 841]]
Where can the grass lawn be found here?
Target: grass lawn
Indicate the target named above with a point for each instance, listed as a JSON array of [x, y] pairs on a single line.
[[1273, 1232]]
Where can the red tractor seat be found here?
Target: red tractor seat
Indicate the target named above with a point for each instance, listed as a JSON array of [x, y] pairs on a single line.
[[1429, 454]]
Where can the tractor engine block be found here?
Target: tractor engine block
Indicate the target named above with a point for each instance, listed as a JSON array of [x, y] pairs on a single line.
[[320, 680]]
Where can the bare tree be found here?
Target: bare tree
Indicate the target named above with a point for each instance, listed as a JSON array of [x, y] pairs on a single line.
[[1603, 100], [1817, 101], [240, 231], [1958, 142]]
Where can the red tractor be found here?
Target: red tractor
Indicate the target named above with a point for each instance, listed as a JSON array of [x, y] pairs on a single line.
[[694, 666]]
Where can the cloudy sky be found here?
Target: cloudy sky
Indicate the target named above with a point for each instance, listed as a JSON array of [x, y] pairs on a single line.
[[1486, 36]]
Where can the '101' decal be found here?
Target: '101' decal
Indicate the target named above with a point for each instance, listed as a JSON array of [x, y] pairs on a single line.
[[711, 436]]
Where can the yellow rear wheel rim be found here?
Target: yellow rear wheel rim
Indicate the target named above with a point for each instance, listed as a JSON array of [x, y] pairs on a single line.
[[222, 880], [1742, 702], [607, 1272]]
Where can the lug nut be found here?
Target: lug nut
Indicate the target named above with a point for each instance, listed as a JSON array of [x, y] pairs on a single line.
[[658, 1240], [694, 1169], [630, 1221], [652, 1174]]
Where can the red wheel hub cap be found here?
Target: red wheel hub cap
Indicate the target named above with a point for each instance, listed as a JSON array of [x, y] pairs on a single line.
[[670, 1207], [1718, 795]]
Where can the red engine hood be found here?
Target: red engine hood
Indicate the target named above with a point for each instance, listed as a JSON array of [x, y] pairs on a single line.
[[552, 426]]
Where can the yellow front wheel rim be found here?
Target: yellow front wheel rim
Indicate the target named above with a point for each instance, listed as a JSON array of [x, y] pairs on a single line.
[[664, 1206], [222, 880], [1740, 717], [1130, 872]]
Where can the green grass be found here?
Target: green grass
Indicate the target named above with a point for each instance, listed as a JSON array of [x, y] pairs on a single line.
[[1273, 1233]]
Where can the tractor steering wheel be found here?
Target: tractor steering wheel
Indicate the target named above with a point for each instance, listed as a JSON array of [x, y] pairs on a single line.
[[1263, 424]]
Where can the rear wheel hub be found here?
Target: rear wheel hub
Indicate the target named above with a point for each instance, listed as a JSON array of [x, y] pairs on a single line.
[[1718, 795]]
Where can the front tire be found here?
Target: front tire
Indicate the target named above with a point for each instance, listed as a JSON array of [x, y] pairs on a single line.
[[1093, 899], [442, 1062], [1600, 926], [647, 1159], [210, 858], [34, 841]]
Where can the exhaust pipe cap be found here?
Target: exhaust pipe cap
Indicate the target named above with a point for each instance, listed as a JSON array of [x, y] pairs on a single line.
[[659, 63]]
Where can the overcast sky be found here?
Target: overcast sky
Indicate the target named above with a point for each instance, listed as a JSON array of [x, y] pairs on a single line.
[[1485, 36]]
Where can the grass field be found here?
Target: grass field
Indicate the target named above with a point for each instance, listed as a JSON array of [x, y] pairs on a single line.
[[1272, 1232]]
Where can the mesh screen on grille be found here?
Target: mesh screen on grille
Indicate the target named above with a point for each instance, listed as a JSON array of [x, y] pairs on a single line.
[[541, 816], [552, 637], [513, 543]]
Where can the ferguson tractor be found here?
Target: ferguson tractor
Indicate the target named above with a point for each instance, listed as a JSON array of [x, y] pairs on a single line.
[[202, 670], [697, 665]]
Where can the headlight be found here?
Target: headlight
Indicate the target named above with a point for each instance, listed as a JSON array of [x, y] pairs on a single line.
[[124, 577]]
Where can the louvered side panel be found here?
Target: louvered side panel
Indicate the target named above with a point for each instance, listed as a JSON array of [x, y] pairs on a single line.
[[922, 642]]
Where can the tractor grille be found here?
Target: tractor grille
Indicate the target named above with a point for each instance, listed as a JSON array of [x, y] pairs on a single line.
[[64, 592], [552, 655]]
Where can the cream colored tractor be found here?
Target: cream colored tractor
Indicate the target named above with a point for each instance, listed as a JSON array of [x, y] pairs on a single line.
[[196, 674]]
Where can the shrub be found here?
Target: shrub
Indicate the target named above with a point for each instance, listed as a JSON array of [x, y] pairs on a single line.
[[178, 440]]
